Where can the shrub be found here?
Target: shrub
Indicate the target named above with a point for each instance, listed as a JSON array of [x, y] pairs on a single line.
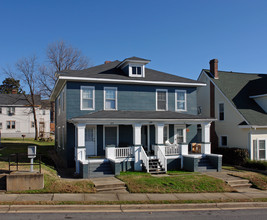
[[259, 165], [233, 156]]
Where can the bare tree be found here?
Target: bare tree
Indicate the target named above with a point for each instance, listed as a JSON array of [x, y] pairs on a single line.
[[61, 56], [27, 73]]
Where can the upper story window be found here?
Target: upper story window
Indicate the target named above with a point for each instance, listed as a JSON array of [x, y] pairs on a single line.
[[136, 70], [10, 125], [180, 100], [162, 99], [87, 98], [11, 110], [110, 98], [221, 111], [43, 112]]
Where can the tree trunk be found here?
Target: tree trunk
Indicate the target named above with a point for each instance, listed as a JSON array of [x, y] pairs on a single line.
[[35, 123]]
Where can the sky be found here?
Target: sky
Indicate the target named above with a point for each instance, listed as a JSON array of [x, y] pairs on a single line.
[[178, 36]]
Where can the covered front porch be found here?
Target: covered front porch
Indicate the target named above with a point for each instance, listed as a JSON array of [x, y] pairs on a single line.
[[131, 144]]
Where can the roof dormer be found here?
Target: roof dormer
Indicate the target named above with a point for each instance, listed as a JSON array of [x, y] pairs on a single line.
[[134, 66]]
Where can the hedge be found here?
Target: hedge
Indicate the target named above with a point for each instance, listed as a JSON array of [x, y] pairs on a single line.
[[253, 164], [233, 156]]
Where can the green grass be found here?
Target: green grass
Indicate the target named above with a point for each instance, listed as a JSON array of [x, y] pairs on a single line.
[[179, 172], [27, 141], [193, 183]]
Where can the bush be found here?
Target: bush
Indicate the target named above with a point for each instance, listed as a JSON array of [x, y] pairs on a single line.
[[258, 165], [233, 156]]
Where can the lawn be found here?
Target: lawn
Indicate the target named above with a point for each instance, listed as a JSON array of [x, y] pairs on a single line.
[[29, 141], [181, 183]]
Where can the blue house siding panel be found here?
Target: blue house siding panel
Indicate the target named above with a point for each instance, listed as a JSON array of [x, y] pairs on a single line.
[[125, 135], [100, 150], [191, 134], [142, 97]]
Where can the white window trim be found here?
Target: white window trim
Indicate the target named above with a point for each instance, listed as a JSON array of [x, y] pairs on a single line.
[[136, 75], [219, 111], [104, 129], [162, 90], [258, 148], [184, 132], [116, 98], [185, 98], [81, 97], [221, 140]]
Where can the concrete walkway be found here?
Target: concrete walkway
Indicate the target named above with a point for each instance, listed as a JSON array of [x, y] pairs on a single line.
[[93, 197]]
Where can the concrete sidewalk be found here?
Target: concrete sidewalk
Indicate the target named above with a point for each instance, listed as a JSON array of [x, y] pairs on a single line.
[[94, 197]]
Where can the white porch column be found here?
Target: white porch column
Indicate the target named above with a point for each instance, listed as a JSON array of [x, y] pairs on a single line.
[[137, 134], [159, 133], [205, 146], [80, 151]]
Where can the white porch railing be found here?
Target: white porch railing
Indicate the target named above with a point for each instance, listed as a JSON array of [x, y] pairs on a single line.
[[144, 158], [172, 150], [124, 152], [162, 158]]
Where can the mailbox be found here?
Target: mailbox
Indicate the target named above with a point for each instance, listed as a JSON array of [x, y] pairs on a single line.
[[31, 151]]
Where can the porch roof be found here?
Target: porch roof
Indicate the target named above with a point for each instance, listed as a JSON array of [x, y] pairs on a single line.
[[140, 116]]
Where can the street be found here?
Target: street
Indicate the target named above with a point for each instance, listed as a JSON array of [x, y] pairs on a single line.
[[199, 215]]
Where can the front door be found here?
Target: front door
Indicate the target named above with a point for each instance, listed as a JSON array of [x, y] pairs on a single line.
[[90, 140], [179, 135]]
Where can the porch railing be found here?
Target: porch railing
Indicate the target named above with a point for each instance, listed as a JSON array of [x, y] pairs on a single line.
[[124, 152], [162, 158], [145, 159], [172, 150]]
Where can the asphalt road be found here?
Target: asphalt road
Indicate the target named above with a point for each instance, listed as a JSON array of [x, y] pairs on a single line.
[[244, 214]]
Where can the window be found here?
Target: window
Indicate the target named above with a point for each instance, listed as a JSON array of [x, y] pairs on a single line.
[[10, 125], [223, 140], [87, 98], [161, 100], [221, 111], [262, 150], [136, 70], [43, 112], [32, 124], [0, 110], [180, 135], [165, 133], [110, 135], [110, 96], [0, 125], [180, 100], [11, 110]]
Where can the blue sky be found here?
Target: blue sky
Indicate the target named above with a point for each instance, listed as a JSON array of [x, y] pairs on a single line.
[[178, 36]]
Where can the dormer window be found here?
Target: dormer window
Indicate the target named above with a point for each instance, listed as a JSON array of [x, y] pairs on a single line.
[[136, 70]]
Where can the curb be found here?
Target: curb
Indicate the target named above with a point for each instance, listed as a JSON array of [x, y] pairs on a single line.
[[129, 208]]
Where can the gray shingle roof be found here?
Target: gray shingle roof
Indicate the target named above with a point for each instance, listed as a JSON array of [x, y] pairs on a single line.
[[168, 115], [238, 87], [17, 99], [109, 71]]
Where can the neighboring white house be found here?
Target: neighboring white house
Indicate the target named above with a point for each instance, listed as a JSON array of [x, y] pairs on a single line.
[[239, 102], [16, 117]]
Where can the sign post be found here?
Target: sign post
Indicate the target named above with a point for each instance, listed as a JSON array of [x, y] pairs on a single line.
[[31, 155]]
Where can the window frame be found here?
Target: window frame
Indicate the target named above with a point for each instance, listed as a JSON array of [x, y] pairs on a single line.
[[185, 100], [32, 124], [1, 125], [116, 98], [162, 90], [10, 124], [11, 110], [219, 112], [131, 66], [221, 140], [81, 97]]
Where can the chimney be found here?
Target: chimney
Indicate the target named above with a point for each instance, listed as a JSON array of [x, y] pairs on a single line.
[[14, 91], [106, 62], [214, 68]]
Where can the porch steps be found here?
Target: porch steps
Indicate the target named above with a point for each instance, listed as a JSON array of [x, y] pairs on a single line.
[[155, 167], [239, 183], [109, 184], [204, 165], [100, 168]]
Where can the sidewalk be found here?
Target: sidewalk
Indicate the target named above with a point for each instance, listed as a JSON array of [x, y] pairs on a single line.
[[247, 194]]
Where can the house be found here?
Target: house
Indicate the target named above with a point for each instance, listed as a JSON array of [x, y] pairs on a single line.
[[239, 102], [16, 117], [126, 116]]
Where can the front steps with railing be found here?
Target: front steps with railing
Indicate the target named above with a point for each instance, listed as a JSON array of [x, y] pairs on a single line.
[[155, 167], [99, 168]]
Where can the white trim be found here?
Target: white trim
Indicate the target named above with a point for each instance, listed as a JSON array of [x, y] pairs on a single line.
[[258, 148], [131, 65], [104, 141], [185, 95], [221, 140], [81, 97], [257, 96], [161, 90], [168, 136], [116, 97], [219, 111], [132, 61], [130, 81], [223, 95], [175, 134]]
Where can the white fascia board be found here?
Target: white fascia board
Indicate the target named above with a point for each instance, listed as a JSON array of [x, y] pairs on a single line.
[[131, 81], [132, 61], [252, 126], [257, 96], [224, 95]]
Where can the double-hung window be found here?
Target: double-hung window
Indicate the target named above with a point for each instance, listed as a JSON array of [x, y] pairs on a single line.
[[87, 98], [11, 110], [110, 96], [162, 99], [10, 125], [221, 111], [180, 100]]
